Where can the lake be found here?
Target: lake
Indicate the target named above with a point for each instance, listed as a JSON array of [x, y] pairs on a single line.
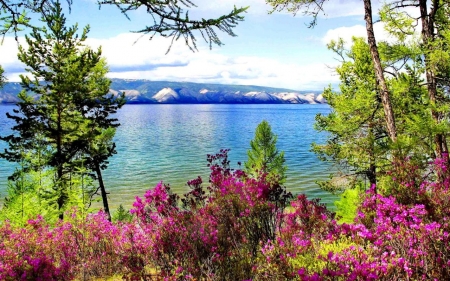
[[170, 143]]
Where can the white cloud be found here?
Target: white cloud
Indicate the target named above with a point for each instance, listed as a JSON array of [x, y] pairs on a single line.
[[339, 8], [347, 32], [147, 60], [205, 66], [218, 8], [8, 52], [241, 70], [331, 9], [130, 49]]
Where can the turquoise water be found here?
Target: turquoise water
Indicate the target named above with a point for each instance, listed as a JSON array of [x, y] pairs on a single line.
[[170, 143]]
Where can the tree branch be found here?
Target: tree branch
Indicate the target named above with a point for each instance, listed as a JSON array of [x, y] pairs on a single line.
[[168, 17], [170, 20]]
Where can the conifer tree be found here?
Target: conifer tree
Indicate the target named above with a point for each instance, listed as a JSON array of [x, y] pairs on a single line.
[[264, 157], [66, 101], [313, 8], [415, 110], [401, 19], [97, 151], [357, 139]]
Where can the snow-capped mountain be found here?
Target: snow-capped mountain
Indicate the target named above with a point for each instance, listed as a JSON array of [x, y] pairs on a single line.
[[144, 91]]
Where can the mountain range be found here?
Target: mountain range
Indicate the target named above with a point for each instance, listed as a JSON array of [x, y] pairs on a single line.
[[145, 91]]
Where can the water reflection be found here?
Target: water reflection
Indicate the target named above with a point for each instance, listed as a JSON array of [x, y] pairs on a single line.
[[170, 143]]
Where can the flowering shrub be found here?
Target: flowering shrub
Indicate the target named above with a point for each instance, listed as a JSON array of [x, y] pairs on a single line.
[[392, 238], [213, 232], [76, 248], [303, 227], [237, 228]]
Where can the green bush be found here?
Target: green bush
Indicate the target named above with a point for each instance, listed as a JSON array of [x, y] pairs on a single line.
[[346, 207]]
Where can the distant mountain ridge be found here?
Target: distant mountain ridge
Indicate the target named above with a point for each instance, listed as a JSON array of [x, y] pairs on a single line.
[[163, 92]]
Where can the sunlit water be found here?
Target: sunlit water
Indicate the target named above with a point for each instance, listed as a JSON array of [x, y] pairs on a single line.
[[170, 143]]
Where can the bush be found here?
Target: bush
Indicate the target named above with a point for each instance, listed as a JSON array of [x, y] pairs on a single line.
[[347, 205], [236, 228], [217, 232], [80, 247]]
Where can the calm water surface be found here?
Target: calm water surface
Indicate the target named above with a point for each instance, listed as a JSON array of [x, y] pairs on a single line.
[[170, 142]]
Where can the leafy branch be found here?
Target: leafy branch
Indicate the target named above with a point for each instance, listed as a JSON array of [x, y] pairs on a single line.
[[170, 20], [15, 14], [309, 7]]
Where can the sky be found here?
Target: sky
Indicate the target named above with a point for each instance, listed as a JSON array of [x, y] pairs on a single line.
[[274, 50]]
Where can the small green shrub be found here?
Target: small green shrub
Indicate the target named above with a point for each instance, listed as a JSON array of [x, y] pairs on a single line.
[[314, 259], [122, 215], [346, 207]]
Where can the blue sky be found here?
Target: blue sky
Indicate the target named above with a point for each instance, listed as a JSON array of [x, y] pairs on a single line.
[[276, 50]]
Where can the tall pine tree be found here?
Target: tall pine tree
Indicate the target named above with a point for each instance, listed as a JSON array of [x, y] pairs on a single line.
[[65, 101], [313, 8]]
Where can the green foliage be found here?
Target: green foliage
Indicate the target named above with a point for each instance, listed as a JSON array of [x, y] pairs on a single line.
[[25, 200], [357, 136], [2, 78], [122, 215], [32, 194], [14, 15], [314, 260], [397, 23], [63, 116], [347, 205], [429, 56], [308, 7], [264, 157], [358, 141], [363, 141], [169, 19]]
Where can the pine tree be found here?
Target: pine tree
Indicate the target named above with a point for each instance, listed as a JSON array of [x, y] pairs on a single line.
[[97, 152], [358, 141], [66, 102], [356, 135], [313, 8], [264, 157], [415, 110]]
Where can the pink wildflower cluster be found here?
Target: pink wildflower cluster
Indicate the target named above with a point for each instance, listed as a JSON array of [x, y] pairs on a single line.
[[237, 228], [212, 232], [75, 248], [389, 240]]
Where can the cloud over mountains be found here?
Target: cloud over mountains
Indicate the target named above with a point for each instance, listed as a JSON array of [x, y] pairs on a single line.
[[154, 92], [147, 60]]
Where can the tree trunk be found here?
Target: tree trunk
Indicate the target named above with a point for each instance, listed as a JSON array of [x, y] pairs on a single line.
[[385, 95], [371, 173], [59, 164], [102, 190], [427, 38]]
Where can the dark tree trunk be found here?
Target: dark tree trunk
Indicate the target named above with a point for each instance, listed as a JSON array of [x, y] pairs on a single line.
[[384, 91], [102, 190], [372, 171], [59, 164], [427, 38], [371, 174]]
